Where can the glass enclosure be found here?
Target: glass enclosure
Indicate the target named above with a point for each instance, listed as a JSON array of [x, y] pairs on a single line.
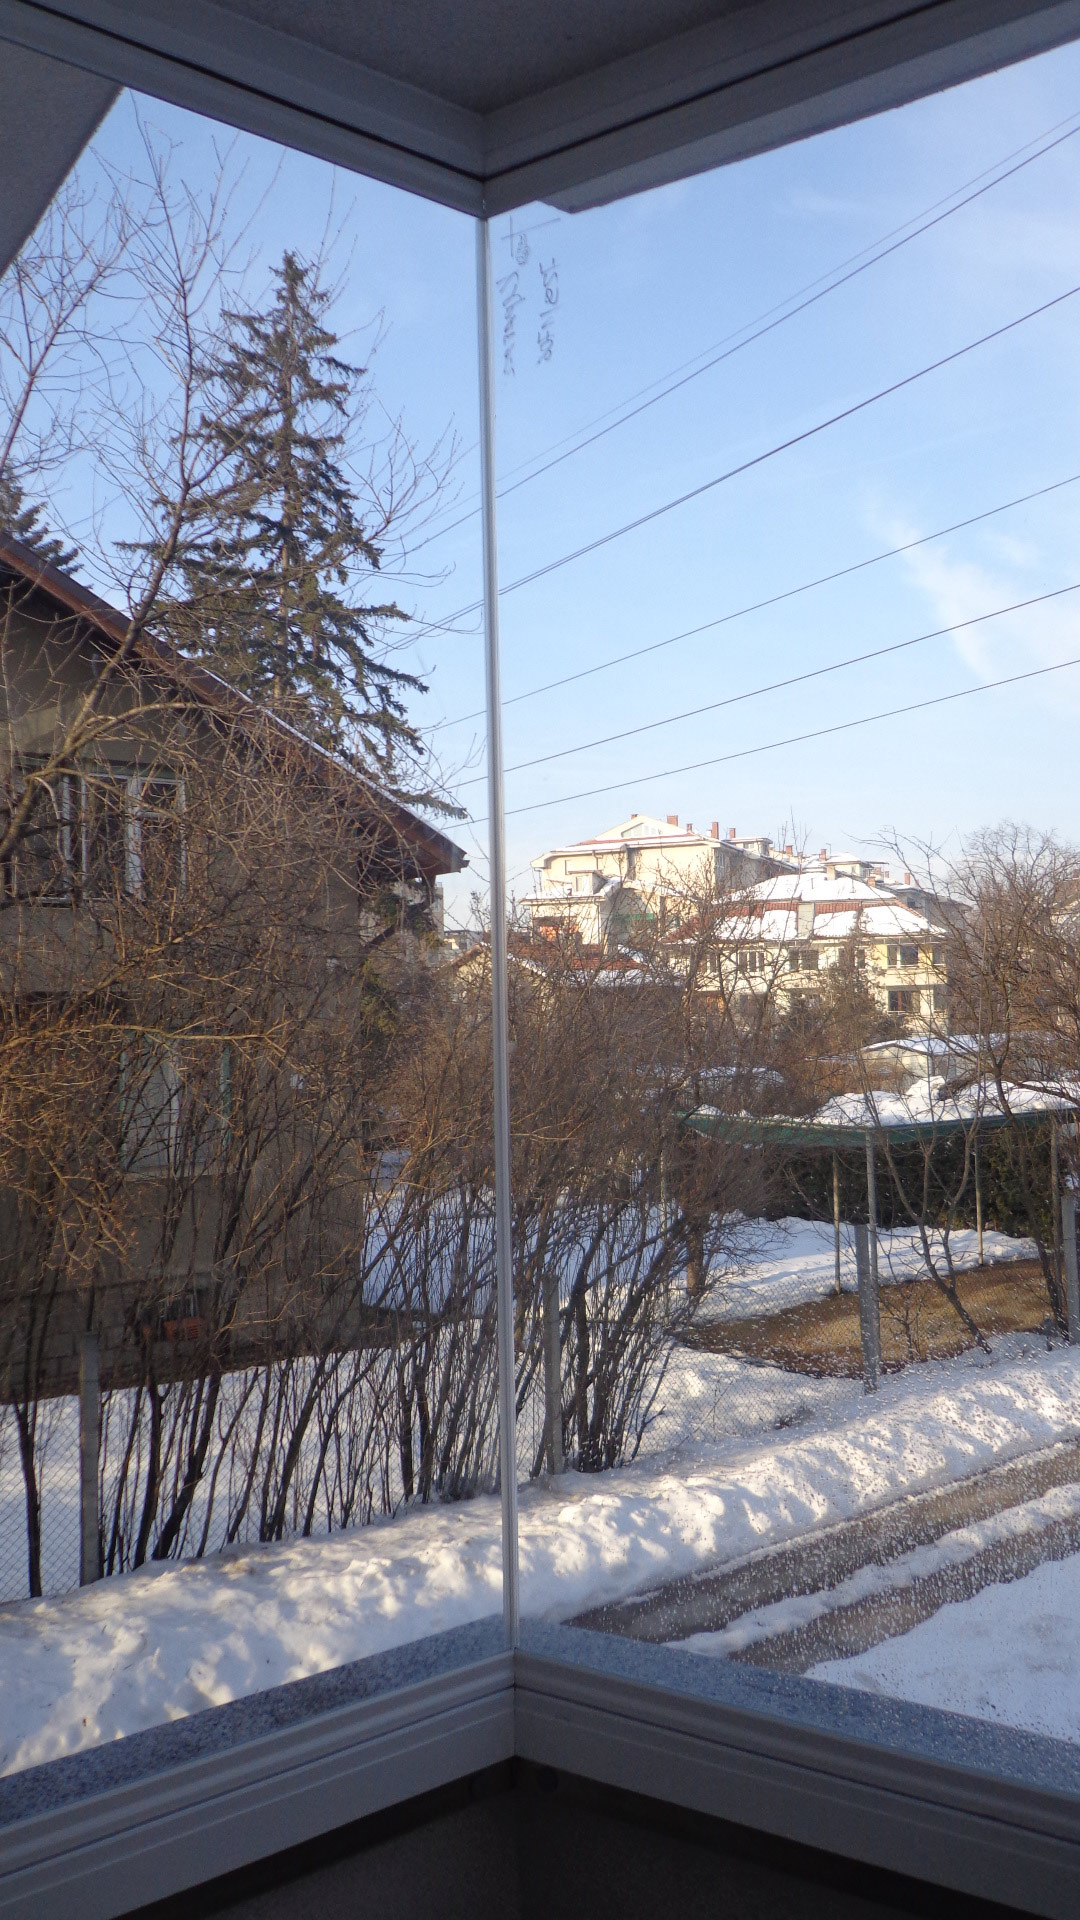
[[788, 496], [787, 500], [246, 1259]]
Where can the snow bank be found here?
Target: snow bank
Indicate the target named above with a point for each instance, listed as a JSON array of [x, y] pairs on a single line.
[[164, 1642]]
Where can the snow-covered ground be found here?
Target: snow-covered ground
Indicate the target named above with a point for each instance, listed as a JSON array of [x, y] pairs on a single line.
[[156, 1645], [795, 1261], [1010, 1653]]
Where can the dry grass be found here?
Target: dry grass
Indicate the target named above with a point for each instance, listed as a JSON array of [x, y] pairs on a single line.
[[918, 1322]]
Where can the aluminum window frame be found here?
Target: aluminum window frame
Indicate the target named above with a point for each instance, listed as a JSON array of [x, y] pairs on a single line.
[[118, 1826]]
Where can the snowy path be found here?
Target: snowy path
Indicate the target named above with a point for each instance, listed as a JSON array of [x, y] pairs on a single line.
[[865, 1609], [165, 1642], [1011, 1653]]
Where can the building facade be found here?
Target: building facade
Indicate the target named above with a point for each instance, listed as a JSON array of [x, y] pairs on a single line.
[[785, 936], [644, 872]]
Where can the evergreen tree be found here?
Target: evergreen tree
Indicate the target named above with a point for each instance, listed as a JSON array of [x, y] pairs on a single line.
[[273, 552], [25, 522]]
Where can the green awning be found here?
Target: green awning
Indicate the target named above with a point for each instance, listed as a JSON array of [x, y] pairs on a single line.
[[784, 1131]]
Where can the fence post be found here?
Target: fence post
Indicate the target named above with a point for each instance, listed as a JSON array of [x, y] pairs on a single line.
[[552, 1374], [867, 1268], [1072, 1281], [89, 1458], [1055, 1201], [978, 1202], [836, 1216]]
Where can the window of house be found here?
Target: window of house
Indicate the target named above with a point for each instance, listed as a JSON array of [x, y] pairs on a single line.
[[909, 956], [151, 1091], [95, 834], [107, 854], [131, 831], [892, 954], [904, 1000], [39, 869]]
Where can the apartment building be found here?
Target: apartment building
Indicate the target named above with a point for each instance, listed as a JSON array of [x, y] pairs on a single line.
[[786, 934], [645, 871]]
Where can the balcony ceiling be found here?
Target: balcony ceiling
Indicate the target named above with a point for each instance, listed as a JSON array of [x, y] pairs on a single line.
[[489, 105]]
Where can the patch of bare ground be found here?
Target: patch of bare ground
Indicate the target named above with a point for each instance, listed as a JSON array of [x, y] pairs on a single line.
[[918, 1322]]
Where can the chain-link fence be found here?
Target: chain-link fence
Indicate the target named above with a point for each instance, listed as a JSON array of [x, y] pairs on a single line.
[[774, 1344]]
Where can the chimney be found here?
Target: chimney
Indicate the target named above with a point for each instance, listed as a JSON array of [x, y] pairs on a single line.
[[714, 829], [823, 853], [907, 879], [673, 819], [731, 833], [689, 826], [789, 851]]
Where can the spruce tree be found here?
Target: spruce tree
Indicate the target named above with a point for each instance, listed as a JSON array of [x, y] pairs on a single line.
[[25, 522], [273, 557]]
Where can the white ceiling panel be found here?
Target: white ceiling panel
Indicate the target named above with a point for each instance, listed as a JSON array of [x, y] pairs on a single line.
[[489, 106]]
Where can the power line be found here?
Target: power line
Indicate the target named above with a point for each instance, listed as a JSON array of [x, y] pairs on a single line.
[[793, 740], [778, 686], [758, 459], [774, 317], [772, 600]]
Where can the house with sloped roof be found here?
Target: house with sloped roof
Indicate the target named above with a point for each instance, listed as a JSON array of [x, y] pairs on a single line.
[[192, 893]]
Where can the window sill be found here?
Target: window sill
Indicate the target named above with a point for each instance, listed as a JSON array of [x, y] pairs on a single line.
[[968, 1805]]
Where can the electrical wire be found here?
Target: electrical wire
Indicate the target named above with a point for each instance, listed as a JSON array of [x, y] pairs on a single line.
[[776, 317], [778, 686], [792, 740], [772, 600], [758, 459]]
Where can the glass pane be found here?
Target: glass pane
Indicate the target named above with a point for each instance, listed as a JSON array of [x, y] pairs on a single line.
[[788, 486], [246, 1313]]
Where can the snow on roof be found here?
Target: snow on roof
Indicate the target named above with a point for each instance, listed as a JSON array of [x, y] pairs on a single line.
[[644, 826], [814, 884], [934, 1045], [644, 829], [928, 1101], [882, 920], [842, 906]]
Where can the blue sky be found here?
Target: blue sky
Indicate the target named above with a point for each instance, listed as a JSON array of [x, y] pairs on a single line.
[[647, 287]]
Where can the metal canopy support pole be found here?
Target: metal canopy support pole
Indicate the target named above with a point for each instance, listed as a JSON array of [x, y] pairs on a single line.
[[504, 1269], [89, 1459], [869, 1313], [1055, 1201], [836, 1215], [553, 1372], [1072, 1278]]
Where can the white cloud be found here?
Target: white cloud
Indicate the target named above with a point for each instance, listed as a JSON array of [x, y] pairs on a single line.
[[959, 589]]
